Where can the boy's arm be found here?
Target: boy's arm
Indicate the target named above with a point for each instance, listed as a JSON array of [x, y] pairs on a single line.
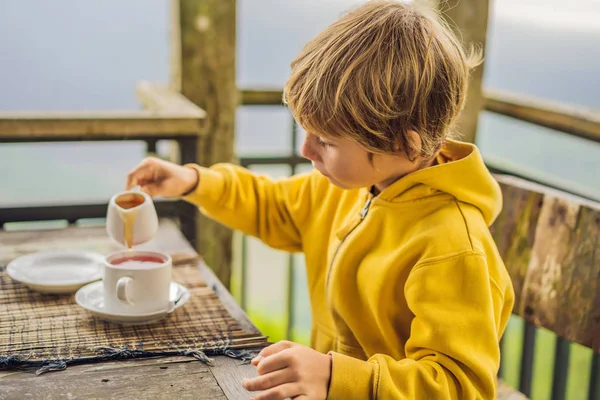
[[453, 350], [256, 205]]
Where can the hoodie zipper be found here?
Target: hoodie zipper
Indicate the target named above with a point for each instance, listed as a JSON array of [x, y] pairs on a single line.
[[363, 214]]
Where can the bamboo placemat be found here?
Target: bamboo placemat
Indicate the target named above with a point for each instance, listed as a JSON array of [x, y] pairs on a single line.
[[52, 331]]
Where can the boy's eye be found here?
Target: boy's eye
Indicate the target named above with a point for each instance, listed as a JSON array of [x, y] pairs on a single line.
[[320, 142]]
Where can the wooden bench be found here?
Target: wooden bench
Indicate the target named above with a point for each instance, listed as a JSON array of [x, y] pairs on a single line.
[[550, 243]]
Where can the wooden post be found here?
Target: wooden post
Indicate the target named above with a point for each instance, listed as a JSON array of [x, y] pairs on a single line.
[[469, 20], [203, 70]]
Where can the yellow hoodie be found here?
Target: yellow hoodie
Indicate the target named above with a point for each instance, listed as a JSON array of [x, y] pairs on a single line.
[[408, 291]]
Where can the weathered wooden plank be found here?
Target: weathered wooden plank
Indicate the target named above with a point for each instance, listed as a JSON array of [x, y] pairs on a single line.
[[562, 284], [575, 120], [514, 231], [230, 373], [172, 378], [550, 243], [169, 114], [98, 125], [159, 98], [251, 97], [204, 72]]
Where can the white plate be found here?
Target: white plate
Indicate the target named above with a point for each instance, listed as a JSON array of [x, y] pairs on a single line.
[[57, 271], [91, 298]]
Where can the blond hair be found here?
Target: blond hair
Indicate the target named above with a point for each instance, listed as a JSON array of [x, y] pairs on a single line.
[[383, 69]]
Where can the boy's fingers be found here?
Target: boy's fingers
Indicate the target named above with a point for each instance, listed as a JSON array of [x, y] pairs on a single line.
[[275, 348], [268, 381], [142, 175], [280, 392], [134, 177], [150, 190], [275, 362], [131, 181]]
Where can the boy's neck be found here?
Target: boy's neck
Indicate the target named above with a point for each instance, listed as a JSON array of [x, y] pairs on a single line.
[[381, 186]]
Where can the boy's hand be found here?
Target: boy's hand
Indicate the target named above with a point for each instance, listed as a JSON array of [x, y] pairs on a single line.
[[288, 369], [162, 178]]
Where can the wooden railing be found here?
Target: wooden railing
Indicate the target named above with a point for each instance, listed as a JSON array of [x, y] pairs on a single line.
[[577, 121], [573, 120], [166, 115]]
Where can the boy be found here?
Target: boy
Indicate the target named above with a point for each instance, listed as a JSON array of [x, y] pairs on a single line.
[[409, 296]]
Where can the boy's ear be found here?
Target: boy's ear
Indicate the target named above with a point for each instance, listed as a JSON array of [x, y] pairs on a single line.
[[413, 145]]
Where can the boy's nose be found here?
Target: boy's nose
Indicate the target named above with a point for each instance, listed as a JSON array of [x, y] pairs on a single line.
[[307, 151]]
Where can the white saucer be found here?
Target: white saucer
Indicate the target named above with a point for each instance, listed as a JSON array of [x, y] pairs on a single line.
[[91, 297], [57, 271]]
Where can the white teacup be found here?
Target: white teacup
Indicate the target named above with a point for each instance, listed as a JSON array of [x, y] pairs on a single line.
[[137, 282], [131, 218]]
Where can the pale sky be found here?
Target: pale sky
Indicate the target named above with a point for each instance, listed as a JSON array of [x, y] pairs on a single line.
[[580, 15]]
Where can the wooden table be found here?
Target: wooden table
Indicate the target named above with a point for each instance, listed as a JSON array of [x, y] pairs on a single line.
[[158, 378]]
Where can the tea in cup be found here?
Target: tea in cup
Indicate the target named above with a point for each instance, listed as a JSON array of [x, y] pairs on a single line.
[[137, 282], [131, 218]]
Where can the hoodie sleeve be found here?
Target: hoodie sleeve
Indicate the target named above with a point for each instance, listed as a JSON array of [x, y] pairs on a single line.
[[256, 205], [453, 350]]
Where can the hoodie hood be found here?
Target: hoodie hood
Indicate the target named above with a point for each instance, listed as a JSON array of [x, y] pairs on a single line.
[[459, 172]]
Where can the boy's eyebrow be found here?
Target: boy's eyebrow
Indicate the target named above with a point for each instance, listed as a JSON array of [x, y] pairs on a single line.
[[329, 138]]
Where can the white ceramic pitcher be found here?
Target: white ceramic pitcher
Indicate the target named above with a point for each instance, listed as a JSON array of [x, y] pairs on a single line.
[[131, 218]]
